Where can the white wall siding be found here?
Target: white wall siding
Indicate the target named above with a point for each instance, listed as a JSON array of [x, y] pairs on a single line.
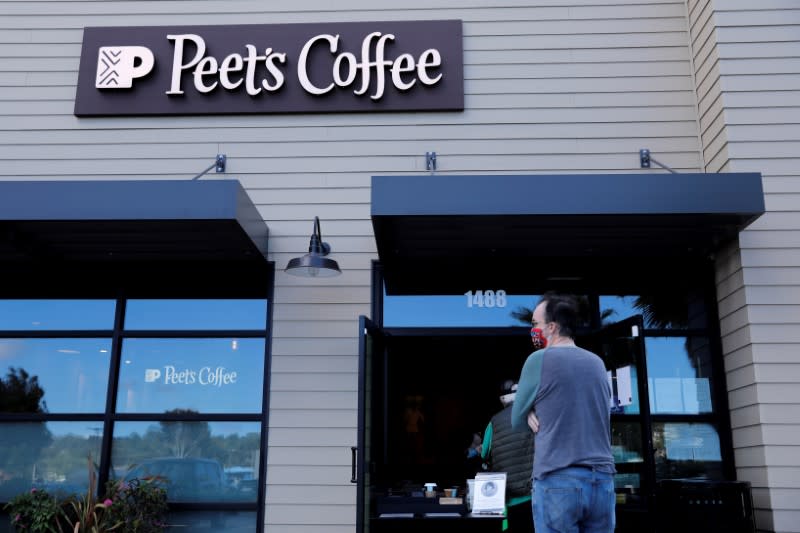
[[751, 122], [569, 87]]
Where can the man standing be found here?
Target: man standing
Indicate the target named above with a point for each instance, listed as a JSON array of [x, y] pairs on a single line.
[[566, 389], [506, 450]]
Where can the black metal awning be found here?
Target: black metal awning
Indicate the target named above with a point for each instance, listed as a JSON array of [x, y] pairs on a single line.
[[444, 231], [139, 236]]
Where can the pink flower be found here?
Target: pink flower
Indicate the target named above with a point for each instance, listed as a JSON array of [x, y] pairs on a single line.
[[17, 518], [33, 490], [108, 502]]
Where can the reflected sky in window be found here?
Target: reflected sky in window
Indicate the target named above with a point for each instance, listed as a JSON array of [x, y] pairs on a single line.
[[203, 375], [678, 383], [474, 309], [48, 315], [72, 374], [243, 314]]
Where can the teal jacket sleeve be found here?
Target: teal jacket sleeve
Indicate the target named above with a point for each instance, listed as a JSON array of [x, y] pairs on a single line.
[[527, 387], [487, 440]]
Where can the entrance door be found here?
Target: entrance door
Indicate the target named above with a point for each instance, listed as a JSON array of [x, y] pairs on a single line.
[[621, 346], [371, 357]]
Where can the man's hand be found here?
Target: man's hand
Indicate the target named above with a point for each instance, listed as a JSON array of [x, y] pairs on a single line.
[[533, 422]]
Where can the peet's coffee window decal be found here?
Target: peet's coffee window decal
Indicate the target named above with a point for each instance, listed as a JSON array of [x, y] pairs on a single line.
[[272, 68]]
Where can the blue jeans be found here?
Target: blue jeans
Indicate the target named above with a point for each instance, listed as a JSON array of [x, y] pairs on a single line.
[[574, 500]]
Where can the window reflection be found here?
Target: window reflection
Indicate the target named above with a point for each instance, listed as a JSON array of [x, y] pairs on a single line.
[[668, 310], [686, 450], [626, 445], [54, 375], [619, 356], [242, 314], [48, 315], [679, 375], [239, 521], [205, 375], [474, 308], [193, 460], [48, 455]]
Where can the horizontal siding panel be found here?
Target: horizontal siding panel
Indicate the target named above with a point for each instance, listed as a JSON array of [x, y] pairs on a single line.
[[775, 314], [775, 353], [766, 66], [784, 414], [315, 381], [755, 50], [313, 400], [335, 437], [302, 328], [761, 83], [772, 276], [766, 150], [292, 311], [742, 397], [755, 34], [771, 239], [325, 295], [773, 257], [766, 16], [777, 221], [773, 295], [588, 134], [291, 494], [567, 55], [578, 41], [306, 346], [299, 513], [297, 418], [781, 184], [310, 455], [782, 202], [309, 475], [766, 434]]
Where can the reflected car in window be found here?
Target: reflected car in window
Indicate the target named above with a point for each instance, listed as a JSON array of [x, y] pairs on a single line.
[[184, 478]]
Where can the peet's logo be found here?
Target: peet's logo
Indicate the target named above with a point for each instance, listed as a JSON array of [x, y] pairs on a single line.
[[321, 67], [118, 66], [205, 376]]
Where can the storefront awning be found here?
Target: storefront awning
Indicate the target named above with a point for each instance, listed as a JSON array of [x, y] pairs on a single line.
[[134, 234], [439, 231]]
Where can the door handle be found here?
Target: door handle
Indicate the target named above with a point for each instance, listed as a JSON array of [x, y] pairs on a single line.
[[353, 450]]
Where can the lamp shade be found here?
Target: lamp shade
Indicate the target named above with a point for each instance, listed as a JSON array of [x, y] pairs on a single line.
[[314, 264]]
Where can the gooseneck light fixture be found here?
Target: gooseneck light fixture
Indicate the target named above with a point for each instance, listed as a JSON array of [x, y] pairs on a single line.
[[314, 264]]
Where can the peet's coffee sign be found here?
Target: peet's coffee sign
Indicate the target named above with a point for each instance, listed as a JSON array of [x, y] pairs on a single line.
[[272, 68]]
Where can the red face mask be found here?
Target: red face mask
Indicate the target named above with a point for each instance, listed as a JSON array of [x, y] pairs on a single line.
[[537, 338]]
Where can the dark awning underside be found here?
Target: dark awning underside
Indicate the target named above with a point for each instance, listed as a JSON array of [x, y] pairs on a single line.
[[142, 235], [440, 232]]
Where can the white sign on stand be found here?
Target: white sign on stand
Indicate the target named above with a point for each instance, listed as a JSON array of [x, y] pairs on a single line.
[[490, 493]]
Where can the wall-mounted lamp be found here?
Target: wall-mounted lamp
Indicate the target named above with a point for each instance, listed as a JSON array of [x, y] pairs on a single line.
[[314, 264], [645, 159], [218, 165]]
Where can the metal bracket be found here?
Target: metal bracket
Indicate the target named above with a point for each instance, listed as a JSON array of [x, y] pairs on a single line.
[[645, 161], [644, 158], [218, 165], [222, 160], [430, 161]]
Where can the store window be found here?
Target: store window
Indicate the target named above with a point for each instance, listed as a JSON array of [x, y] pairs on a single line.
[[177, 385]]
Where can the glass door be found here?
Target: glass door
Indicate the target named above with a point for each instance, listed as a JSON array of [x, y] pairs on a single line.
[[371, 357], [621, 346]]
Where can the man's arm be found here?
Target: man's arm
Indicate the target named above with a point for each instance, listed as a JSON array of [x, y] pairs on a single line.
[[527, 387]]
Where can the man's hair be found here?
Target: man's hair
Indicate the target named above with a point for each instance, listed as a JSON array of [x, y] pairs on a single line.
[[563, 310]]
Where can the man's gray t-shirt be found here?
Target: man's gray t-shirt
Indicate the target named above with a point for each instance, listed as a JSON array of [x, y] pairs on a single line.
[[568, 388]]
